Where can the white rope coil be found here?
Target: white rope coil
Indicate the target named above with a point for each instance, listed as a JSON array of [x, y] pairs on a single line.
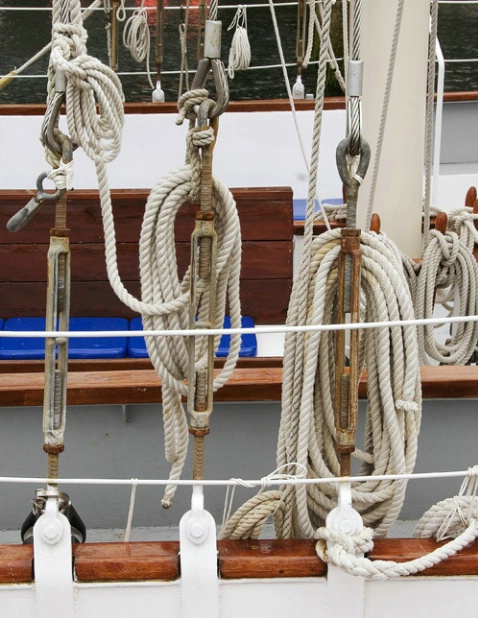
[[447, 263], [88, 83], [240, 51], [165, 297], [137, 39], [307, 430]]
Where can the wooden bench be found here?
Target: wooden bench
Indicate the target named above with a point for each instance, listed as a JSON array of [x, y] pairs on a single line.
[[267, 230], [266, 275]]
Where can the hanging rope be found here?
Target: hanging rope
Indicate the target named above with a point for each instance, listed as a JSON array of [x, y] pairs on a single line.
[[136, 38], [240, 51], [447, 263]]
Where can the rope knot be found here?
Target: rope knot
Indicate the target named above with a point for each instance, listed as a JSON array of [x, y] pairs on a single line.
[[200, 138], [69, 40], [187, 103], [356, 544]]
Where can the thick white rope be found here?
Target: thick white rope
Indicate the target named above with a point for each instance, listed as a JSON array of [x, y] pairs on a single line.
[[448, 518], [455, 518], [240, 51], [342, 550], [165, 298], [447, 263], [307, 430]]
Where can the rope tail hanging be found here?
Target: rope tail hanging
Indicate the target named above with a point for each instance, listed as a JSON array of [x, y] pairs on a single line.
[[165, 298]]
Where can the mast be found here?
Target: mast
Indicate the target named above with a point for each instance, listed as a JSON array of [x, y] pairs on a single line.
[[399, 188]]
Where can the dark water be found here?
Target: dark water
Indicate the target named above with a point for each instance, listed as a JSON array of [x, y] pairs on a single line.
[[23, 33]]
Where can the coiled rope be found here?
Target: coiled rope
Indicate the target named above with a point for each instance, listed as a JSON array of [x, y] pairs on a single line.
[[447, 264], [307, 430], [240, 51], [137, 39]]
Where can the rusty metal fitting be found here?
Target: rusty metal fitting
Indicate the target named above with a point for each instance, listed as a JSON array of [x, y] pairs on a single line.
[[205, 215], [52, 449], [199, 432], [60, 232]]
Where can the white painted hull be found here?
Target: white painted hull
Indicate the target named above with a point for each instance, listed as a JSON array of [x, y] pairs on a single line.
[[273, 598]]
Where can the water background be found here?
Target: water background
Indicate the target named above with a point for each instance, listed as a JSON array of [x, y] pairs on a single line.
[[23, 33]]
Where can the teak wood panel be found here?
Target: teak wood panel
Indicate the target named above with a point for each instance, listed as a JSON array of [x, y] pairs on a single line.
[[245, 384], [25, 263], [265, 300], [266, 274], [264, 214]]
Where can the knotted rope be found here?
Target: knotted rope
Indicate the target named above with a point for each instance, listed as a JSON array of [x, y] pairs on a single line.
[[344, 551], [455, 518]]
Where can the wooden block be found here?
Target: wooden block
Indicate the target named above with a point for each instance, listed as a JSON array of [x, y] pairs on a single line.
[[105, 562], [16, 564]]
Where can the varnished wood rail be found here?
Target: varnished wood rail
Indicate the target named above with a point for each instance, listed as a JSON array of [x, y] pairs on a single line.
[[143, 561], [253, 383]]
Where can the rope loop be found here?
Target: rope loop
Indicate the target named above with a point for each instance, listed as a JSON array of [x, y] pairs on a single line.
[[189, 102]]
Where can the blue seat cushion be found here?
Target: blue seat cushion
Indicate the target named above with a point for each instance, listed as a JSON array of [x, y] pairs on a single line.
[[299, 206], [81, 347], [137, 345]]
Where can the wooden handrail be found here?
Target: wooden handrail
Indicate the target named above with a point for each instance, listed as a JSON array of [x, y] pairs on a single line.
[[246, 384], [142, 561]]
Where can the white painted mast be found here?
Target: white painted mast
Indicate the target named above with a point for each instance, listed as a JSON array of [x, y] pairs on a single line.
[[399, 187]]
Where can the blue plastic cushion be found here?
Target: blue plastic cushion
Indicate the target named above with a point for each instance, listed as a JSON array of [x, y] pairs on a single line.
[[1, 323], [81, 347], [137, 345], [299, 206]]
